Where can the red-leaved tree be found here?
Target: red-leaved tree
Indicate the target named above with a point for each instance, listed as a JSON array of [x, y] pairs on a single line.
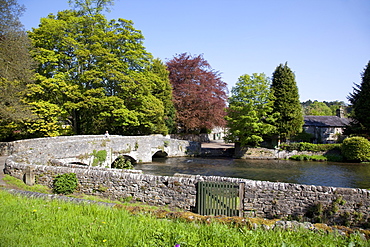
[[199, 94]]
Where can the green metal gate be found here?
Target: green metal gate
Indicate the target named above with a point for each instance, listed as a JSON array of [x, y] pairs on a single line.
[[220, 198]]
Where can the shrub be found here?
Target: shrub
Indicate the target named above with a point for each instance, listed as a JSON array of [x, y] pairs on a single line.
[[122, 163], [305, 146], [302, 157], [65, 184], [356, 149]]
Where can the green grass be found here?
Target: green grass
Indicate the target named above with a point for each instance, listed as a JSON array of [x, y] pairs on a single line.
[[19, 184], [39, 222], [301, 157]]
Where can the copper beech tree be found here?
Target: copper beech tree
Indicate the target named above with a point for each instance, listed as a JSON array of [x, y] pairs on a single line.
[[199, 94]]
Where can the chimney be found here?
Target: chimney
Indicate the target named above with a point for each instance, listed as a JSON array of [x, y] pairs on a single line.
[[340, 112]]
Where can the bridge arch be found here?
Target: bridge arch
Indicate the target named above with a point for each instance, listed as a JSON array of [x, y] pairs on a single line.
[[123, 161], [160, 154]]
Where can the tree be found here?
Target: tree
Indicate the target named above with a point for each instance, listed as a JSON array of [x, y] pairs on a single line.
[[15, 69], [324, 108], [318, 109], [199, 94], [163, 91], [285, 91], [360, 100], [96, 74], [249, 116]]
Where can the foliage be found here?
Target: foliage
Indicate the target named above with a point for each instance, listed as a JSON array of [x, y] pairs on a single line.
[[97, 74], [318, 109], [302, 137], [324, 108], [307, 157], [99, 157], [286, 103], [94, 225], [65, 183], [305, 146], [199, 94], [20, 185], [356, 149], [122, 163], [249, 116], [15, 70], [91, 7], [163, 91], [360, 100]]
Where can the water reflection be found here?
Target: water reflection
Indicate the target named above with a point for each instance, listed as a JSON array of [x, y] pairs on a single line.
[[310, 173]]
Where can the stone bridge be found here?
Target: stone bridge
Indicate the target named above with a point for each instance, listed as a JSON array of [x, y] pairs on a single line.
[[81, 149]]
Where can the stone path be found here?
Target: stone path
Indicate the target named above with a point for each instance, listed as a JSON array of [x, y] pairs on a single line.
[[2, 163]]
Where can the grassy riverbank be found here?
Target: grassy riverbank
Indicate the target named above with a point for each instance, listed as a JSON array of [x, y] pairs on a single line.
[[39, 222]]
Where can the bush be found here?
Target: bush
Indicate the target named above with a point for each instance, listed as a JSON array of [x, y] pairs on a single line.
[[122, 163], [356, 149], [305, 146], [302, 157], [65, 184]]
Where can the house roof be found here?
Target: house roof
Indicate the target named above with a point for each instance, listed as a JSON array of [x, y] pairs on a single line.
[[325, 121]]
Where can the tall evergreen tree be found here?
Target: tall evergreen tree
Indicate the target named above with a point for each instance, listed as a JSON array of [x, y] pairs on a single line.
[[360, 100], [285, 91]]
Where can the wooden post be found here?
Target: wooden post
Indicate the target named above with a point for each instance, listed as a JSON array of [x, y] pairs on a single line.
[[241, 198], [30, 175]]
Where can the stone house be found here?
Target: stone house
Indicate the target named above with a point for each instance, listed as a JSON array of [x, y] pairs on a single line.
[[326, 129]]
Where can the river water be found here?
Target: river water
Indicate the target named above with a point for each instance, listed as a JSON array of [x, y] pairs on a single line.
[[301, 172]]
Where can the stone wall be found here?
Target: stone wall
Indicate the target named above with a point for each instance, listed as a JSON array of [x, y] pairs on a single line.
[[261, 198]]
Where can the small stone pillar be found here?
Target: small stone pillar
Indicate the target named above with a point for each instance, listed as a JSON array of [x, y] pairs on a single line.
[[30, 175]]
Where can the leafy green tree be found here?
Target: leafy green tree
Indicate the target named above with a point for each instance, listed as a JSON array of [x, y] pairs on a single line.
[[319, 109], [97, 74], [163, 91], [15, 69], [360, 100], [285, 91], [249, 116], [324, 108]]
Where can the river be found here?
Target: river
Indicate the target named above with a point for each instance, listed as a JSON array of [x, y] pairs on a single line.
[[333, 174]]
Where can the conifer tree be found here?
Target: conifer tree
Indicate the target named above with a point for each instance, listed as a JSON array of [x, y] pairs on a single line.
[[285, 91], [360, 100]]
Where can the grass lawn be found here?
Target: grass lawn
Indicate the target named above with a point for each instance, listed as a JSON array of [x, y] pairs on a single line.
[[39, 222]]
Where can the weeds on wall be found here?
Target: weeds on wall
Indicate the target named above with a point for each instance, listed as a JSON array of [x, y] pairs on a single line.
[[99, 157]]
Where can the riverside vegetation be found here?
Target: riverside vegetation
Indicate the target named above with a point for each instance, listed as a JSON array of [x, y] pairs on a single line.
[[41, 222], [353, 149]]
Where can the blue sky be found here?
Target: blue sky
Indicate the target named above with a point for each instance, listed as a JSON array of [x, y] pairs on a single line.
[[325, 42]]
